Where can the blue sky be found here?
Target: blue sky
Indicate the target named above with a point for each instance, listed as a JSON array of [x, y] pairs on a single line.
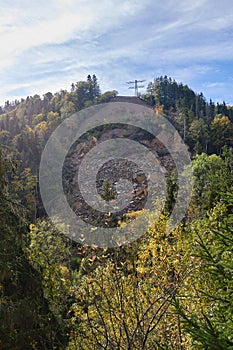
[[47, 45]]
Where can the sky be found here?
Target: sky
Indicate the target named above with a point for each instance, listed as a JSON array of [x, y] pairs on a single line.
[[47, 45]]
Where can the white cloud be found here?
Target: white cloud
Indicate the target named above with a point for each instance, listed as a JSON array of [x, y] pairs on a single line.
[[77, 20], [213, 84], [47, 44]]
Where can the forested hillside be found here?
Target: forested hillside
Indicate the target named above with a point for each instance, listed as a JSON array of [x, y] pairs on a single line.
[[163, 291]]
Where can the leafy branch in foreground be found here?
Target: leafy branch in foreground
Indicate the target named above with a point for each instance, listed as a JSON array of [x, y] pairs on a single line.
[[210, 323]]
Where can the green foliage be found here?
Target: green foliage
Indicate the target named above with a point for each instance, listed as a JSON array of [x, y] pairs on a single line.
[[24, 186], [221, 132], [164, 291], [25, 320], [127, 304], [107, 96], [205, 127], [198, 135], [48, 253], [210, 320], [169, 93], [211, 179], [172, 190], [108, 191]]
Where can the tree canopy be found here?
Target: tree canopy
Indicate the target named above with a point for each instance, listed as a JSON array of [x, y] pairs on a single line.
[[163, 291]]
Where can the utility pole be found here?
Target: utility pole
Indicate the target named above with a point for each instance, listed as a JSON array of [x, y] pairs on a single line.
[[136, 86]]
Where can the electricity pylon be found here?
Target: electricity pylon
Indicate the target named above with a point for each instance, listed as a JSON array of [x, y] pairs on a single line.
[[136, 86]]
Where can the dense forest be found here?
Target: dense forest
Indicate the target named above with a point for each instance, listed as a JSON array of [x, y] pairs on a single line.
[[159, 292]]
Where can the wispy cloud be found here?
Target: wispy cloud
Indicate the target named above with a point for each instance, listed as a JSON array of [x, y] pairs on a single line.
[[46, 45], [214, 84]]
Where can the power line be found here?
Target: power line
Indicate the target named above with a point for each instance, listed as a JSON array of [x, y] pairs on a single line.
[[136, 86]]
